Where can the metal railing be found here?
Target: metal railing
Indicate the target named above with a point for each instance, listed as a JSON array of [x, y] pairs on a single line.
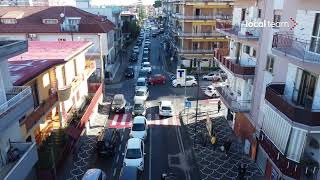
[[289, 44], [200, 34], [203, 17], [16, 94], [195, 51], [230, 99], [241, 31]]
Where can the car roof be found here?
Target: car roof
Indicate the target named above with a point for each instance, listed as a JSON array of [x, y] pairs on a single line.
[[166, 103], [91, 174], [190, 76], [210, 86], [141, 79], [139, 119], [129, 172], [134, 143], [118, 96], [142, 88]]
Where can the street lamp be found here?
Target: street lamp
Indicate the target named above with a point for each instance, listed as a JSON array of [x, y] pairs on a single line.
[[198, 87]]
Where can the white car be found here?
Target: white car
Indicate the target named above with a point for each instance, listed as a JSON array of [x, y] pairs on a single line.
[[136, 49], [146, 66], [139, 128], [165, 108], [94, 174], [142, 93], [190, 81], [211, 91], [134, 153], [141, 82], [212, 76]]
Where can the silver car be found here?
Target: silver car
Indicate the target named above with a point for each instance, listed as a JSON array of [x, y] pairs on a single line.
[[139, 108]]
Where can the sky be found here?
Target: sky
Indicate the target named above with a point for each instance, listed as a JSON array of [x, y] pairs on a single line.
[[121, 2]]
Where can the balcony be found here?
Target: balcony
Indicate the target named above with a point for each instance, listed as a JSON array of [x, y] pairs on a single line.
[[240, 70], [199, 34], [90, 67], [275, 96], [19, 102], [229, 98], [240, 32], [21, 162], [203, 17], [289, 44], [10, 49], [194, 51], [41, 111], [65, 92]]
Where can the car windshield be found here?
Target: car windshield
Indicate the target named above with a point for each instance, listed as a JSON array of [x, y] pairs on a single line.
[[133, 154], [117, 101], [209, 88], [138, 106], [146, 65], [139, 93], [141, 83], [138, 127], [166, 108]]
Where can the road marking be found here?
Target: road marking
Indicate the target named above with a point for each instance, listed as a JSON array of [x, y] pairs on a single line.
[[124, 118], [117, 159], [115, 119], [150, 153], [165, 121], [121, 137], [114, 172]]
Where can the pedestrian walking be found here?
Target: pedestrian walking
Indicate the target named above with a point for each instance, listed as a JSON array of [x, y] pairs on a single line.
[[213, 141], [219, 106], [227, 147]]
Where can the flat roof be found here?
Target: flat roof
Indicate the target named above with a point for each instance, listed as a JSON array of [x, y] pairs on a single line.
[[41, 56]]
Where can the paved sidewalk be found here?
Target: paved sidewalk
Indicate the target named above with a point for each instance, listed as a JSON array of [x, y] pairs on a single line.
[[212, 162], [78, 162]]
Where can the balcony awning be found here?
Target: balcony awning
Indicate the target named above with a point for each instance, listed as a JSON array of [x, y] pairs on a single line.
[[73, 132]]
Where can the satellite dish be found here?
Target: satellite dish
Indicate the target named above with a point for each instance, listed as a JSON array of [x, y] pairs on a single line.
[[62, 15]]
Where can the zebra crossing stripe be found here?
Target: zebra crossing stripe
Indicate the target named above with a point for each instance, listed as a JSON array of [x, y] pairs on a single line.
[[165, 121], [124, 119], [115, 120]]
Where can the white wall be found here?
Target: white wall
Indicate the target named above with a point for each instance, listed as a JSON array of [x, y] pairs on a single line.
[[316, 100], [291, 78], [305, 21]]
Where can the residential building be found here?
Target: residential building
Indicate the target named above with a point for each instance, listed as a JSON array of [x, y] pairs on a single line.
[[128, 18], [57, 73], [62, 23], [193, 29], [280, 127], [17, 156], [37, 3]]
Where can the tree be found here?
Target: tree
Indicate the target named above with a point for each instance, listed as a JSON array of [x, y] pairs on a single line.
[[157, 3]]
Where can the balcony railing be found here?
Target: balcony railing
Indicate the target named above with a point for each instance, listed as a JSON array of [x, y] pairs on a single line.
[[200, 0], [291, 45], [288, 167], [195, 51], [230, 100], [203, 17], [65, 92], [241, 32], [221, 56], [19, 102], [275, 96], [200, 34], [21, 161], [41, 111], [89, 68]]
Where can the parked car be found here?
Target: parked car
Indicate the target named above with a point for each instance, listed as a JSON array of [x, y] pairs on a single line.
[[141, 82], [189, 81], [134, 57], [139, 128], [165, 108], [147, 66], [107, 142], [157, 79], [154, 35], [130, 173], [118, 103], [145, 59], [146, 49], [211, 91], [136, 49], [94, 174], [129, 72], [144, 74], [213, 76], [134, 153], [141, 93], [139, 107]]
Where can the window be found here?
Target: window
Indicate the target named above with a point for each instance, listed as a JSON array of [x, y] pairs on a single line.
[[276, 19], [254, 53], [61, 39], [195, 45], [246, 49], [50, 21], [197, 12], [32, 36], [314, 46], [243, 14], [9, 21], [269, 64], [259, 13]]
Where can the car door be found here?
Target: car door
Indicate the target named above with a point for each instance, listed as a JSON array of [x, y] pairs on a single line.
[[210, 76], [188, 81]]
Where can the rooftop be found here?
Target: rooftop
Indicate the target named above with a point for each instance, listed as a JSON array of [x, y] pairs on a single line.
[[29, 19], [42, 56]]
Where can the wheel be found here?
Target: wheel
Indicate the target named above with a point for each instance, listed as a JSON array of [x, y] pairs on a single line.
[[178, 85], [194, 84], [206, 79]]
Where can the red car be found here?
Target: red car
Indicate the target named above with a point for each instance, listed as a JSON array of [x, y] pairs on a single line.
[[157, 79]]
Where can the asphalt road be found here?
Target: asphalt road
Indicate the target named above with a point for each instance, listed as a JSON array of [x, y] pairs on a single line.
[[166, 149]]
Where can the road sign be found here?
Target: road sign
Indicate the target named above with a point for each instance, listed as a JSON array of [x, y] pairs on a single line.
[[187, 104], [181, 74]]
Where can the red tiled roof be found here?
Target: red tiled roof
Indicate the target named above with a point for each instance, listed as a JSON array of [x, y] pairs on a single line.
[[41, 56], [31, 20]]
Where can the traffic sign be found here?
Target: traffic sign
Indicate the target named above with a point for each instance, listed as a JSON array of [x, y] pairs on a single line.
[[181, 74], [187, 104]]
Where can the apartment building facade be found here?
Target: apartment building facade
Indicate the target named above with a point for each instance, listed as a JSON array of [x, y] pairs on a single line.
[[193, 29], [63, 23], [37, 3], [280, 128], [17, 156], [57, 73]]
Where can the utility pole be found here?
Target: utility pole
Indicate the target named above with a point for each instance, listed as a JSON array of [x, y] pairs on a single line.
[[196, 120]]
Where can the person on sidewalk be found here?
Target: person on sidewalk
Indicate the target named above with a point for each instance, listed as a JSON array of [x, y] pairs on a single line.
[[214, 141], [227, 147], [219, 106]]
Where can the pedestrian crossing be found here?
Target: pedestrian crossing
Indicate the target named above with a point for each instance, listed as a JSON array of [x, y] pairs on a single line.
[[119, 121], [213, 101]]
